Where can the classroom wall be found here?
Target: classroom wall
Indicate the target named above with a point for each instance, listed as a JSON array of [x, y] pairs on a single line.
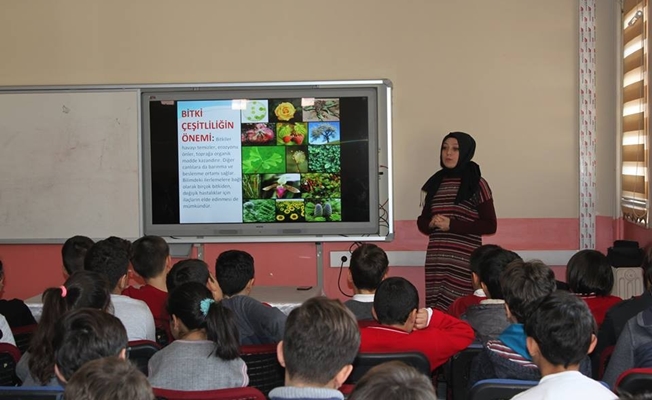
[[503, 70]]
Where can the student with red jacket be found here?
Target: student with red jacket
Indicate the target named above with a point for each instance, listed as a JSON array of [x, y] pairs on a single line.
[[395, 308]]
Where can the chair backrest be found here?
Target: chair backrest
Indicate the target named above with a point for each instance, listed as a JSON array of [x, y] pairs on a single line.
[[498, 389], [457, 371], [140, 351], [265, 372], [634, 381], [31, 393], [365, 361], [9, 356], [605, 357], [246, 393], [23, 336], [163, 333]]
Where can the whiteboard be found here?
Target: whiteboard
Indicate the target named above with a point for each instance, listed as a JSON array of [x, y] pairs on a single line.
[[69, 165]]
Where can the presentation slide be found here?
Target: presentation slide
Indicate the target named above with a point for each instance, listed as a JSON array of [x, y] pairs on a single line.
[[210, 173]]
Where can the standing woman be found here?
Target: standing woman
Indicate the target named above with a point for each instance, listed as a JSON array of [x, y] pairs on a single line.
[[457, 210]]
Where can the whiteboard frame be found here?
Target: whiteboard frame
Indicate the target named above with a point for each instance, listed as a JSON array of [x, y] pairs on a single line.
[[383, 156]]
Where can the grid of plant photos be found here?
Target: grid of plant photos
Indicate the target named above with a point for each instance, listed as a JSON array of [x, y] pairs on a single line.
[[291, 160]]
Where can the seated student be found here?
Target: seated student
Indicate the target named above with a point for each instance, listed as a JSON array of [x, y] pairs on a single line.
[[110, 258], [151, 260], [82, 289], [590, 277], [395, 309], [488, 318], [85, 335], [393, 380], [192, 270], [108, 378], [637, 333], [205, 354], [257, 322], [643, 356], [319, 345], [369, 266], [560, 333], [618, 315], [13, 313], [73, 253], [524, 285], [459, 306]]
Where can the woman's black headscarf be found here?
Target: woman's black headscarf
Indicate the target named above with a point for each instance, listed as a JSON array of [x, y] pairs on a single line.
[[467, 170]]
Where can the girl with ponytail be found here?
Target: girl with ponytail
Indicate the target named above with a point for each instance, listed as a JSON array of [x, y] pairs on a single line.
[[83, 289], [205, 354]]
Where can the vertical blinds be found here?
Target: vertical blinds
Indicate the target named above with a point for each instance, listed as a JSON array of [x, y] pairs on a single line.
[[635, 172]]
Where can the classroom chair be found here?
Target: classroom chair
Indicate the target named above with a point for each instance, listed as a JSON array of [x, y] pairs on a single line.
[[140, 351], [246, 393], [31, 393], [457, 372], [634, 381], [605, 356], [9, 356], [23, 336], [365, 361], [265, 372], [498, 389]]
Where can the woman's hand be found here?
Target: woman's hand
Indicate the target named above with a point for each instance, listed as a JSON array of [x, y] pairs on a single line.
[[441, 222]]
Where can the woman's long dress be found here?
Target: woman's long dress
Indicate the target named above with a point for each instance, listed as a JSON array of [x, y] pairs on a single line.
[[448, 275]]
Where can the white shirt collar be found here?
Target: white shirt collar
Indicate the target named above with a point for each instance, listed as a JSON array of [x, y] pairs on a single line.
[[363, 298]]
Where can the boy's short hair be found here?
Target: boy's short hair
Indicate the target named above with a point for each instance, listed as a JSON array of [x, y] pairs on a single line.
[[369, 264], [233, 270], [589, 272], [394, 300], [109, 257], [107, 379], [84, 335], [184, 271], [149, 256], [562, 326], [492, 266], [321, 337], [74, 251], [393, 380], [525, 285], [479, 254]]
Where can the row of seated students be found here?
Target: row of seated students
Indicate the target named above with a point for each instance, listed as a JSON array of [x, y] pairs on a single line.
[[387, 311]]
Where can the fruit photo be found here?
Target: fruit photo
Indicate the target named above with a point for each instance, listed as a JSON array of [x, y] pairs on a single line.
[[291, 134], [324, 133], [257, 134]]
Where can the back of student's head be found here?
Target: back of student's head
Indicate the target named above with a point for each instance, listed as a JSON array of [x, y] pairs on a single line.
[[563, 328], [74, 251], [393, 380], [321, 337], [524, 285], [84, 335], [589, 272], [193, 304], [479, 254], [83, 289], [369, 264], [492, 266], [189, 270], [109, 257], [108, 379], [233, 270], [149, 256], [394, 300]]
